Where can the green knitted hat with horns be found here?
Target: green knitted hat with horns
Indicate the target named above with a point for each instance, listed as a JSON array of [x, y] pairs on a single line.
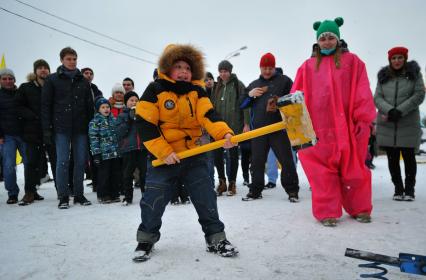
[[328, 26]]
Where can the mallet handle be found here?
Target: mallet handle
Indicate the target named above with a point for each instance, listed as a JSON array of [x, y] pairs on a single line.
[[235, 139]]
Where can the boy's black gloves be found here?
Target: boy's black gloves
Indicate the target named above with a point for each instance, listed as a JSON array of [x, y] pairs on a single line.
[[47, 137], [97, 160], [394, 115]]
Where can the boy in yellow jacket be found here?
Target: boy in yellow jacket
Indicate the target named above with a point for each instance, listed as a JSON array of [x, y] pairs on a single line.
[[171, 113]]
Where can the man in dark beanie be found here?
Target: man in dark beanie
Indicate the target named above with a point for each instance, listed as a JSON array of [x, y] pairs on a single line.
[[28, 106], [39, 63], [225, 65], [225, 101], [209, 82]]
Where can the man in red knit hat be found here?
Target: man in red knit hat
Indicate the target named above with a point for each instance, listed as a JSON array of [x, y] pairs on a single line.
[[261, 95]]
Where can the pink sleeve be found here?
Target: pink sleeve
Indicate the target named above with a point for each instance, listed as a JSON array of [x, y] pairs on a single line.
[[364, 109], [299, 80]]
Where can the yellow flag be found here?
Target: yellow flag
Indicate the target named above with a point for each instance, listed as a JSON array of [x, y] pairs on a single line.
[[3, 62]]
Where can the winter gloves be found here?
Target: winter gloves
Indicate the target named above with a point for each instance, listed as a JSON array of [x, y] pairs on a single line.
[[394, 115]]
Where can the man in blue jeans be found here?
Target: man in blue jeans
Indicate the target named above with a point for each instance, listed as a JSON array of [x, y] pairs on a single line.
[[10, 133], [67, 108]]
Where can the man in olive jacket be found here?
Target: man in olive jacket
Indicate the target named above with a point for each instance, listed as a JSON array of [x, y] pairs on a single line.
[[225, 101], [67, 108]]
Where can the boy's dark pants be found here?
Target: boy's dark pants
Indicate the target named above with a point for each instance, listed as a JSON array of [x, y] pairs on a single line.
[[194, 174], [132, 160], [109, 178]]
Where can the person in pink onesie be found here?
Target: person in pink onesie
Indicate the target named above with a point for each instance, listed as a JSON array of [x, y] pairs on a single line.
[[340, 103]]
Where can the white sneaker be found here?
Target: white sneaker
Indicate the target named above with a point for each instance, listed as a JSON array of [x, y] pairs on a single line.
[[409, 198], [45, 179], [398, 197]]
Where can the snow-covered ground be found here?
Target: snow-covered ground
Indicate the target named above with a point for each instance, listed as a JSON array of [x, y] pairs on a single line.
[[276, 239]]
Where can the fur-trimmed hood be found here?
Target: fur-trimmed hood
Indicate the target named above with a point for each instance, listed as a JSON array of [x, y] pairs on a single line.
[[411, 71], [187, 53], [31, 77]]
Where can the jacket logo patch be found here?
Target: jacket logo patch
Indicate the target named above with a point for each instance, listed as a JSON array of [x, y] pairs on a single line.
[[169, 104]]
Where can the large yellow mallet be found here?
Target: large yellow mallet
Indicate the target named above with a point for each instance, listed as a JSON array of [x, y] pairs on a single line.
[[296, 121]]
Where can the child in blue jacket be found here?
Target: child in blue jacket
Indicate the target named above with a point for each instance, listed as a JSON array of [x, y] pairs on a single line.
[[103, 137]]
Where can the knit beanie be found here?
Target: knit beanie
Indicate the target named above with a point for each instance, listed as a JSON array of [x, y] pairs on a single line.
[[398, 50], [328, 27], [85, 69], [118, 87], [7, 71], [39, 63], [225, 65], [209, 76], [101, 101], [267, 60], [128, 95]]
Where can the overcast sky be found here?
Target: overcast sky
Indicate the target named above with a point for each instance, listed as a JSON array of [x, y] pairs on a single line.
[[217, 27]]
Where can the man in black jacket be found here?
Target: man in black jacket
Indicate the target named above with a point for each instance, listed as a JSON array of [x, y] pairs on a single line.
[[28, 102], [261, 95], [67, 108], [10, 133], [96, 93]]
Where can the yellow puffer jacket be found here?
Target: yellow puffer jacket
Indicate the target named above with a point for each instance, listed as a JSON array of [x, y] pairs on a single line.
[[172, 113]]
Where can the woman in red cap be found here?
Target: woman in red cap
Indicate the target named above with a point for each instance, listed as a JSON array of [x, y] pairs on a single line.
[[340, 103], [399, 93]]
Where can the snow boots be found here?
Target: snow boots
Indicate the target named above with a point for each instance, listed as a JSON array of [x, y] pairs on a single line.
[[363, 218], [329, 222], [232, 189], [223, 248], [143, 252], [222, 187], [27, 199]]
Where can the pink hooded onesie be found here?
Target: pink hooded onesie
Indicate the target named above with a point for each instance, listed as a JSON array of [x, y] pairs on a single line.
[[341, 106]]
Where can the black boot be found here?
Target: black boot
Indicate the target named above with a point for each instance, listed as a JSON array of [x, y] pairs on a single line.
[[223, 248], [143, 252], [64, 203]]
